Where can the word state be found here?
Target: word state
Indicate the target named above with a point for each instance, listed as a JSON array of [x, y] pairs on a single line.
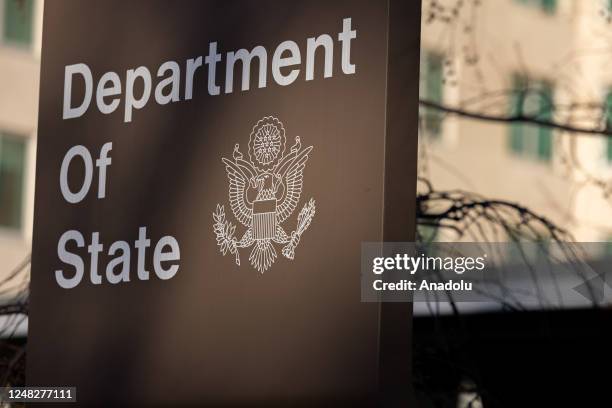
[[118, 268]]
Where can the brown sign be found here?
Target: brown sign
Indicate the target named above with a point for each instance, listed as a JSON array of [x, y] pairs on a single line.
[[206, 174]]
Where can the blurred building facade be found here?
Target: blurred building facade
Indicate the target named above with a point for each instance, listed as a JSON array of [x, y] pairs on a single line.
[[20, 44], [558, 49], [556, 46]]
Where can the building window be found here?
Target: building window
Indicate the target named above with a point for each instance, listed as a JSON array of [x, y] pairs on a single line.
[[426, 234], [533, 99], [608, 119], [17, 23], [432, 89], [548, 6], [12, 165]]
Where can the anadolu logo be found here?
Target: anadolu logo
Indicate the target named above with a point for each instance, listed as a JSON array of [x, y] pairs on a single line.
[[263, 192]]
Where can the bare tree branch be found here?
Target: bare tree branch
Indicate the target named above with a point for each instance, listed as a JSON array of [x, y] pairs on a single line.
[[514, 119]]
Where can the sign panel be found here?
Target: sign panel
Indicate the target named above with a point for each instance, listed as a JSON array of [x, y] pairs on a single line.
[[206, 173]]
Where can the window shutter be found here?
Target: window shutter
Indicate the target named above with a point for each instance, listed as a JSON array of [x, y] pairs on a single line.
[[12, 153], [433, 118], [549, 6], [608, 118], [545, 132], [516, 108], [18, 21]]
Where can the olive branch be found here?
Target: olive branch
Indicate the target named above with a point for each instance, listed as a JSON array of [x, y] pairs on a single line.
[[224, 230], [304, 219]]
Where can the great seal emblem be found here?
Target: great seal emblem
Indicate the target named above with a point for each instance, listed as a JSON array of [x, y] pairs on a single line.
[[263, 193]]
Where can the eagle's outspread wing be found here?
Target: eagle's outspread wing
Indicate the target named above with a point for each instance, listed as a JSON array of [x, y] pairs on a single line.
[[291, 174], [238, 185]]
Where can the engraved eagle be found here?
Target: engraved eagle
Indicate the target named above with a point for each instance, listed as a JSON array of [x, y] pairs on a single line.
[[263, 192]]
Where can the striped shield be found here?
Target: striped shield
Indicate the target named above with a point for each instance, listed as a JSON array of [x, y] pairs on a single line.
[[264, 219]]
